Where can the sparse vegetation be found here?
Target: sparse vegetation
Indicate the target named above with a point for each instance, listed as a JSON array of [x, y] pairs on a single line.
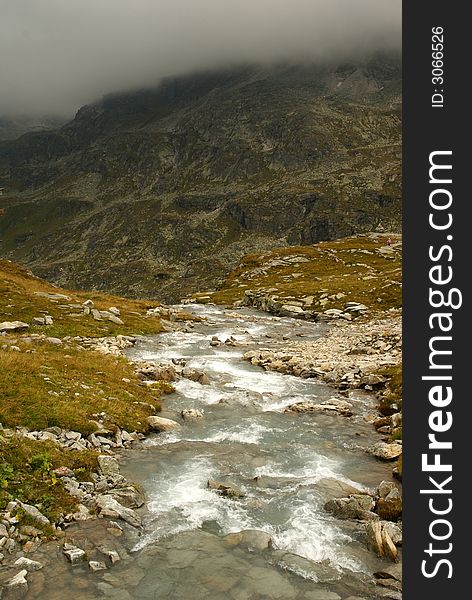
[[27, 474], [53, 386], [19, 300], [358, 268]]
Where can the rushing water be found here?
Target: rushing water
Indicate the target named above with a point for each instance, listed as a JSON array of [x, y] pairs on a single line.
[[279, 460]]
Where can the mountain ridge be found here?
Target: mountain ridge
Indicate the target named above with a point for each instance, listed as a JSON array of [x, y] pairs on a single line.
[[160, 192]]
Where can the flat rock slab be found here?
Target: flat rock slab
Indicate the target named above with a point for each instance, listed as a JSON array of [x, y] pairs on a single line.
[[10, 326]]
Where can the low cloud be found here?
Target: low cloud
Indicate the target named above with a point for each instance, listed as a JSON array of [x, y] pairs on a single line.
[[56, 55]]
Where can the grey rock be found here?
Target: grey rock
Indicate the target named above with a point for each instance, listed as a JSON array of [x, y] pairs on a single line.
[[110, 507], [115, 319], [129, 497], [74, 555], [161, 424], [250, 539], [357, 506], [35, 514], [108, 465], [10, 326], [17, 586], [28, 564], [191, 414], [227, 490]]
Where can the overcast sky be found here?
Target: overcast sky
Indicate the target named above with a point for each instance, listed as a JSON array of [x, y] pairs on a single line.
[[56, 55]]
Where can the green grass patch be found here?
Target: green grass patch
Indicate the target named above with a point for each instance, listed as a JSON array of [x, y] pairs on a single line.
[[46, 385], [26, 474], [394, 392]]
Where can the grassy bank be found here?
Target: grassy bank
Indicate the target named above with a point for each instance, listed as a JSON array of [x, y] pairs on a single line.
[[48, 379], [27, 474], [24, 296], [363, 268]]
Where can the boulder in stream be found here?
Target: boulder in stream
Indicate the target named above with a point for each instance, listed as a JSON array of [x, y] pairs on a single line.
[[385, 451], [250, 539], [17, 586], [110, 507], [191, 414], [225, 489], [389, 505], [332, 406], [161, 424], [356, 506]]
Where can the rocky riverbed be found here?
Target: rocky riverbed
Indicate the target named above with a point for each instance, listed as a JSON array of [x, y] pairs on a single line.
[[283, 463]]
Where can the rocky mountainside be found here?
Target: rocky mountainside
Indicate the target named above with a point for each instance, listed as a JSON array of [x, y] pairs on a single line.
[[160, 192]]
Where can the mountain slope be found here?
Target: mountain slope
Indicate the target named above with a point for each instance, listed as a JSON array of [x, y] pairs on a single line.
[[160, 192]]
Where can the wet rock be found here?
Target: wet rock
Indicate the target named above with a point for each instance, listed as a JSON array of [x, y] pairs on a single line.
[[249, 539], [129, 497], [108, 465], [73, 554], [389, 505], [321, 595], [191, 414], [28, 564], [390, 572], [227, 490], [158, 372], [318, 571], [161, 424], [341, 407], [96, 565], [196, 375], [385, 451], [17, 586], [334, 488], [357, 506], [268, 583], [109, 507]]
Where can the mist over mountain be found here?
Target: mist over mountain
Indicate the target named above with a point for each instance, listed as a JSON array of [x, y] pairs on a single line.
[[57, 56], [161, 191]]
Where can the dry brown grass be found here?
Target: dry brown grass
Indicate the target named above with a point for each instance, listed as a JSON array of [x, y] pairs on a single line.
[[18, 301], [46, 385]]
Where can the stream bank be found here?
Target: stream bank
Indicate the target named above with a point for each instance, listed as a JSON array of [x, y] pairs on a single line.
[[285, 465]]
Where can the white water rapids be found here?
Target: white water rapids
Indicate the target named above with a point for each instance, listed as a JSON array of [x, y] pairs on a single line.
[[245, 438]]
